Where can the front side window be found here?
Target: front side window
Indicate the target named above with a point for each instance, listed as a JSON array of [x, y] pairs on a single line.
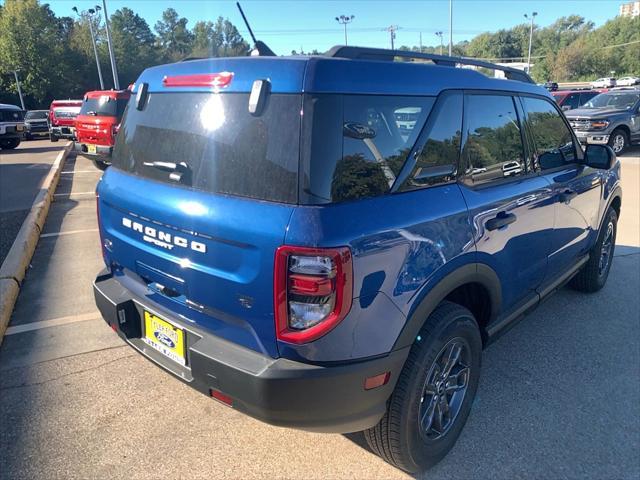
[[551, 137], [493, 147], [438, 160]]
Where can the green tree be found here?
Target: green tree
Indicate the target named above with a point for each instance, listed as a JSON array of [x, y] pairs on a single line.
[[221, 39], [174, 38], [32, 40], [133, 44]]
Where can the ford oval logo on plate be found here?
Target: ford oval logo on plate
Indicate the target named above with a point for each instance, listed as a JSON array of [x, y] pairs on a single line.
[[164, 339]]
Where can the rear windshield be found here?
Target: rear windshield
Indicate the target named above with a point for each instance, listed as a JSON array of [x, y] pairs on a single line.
[[11, 115], [66, 112], [211, 142], [104, 106], [39, 115]]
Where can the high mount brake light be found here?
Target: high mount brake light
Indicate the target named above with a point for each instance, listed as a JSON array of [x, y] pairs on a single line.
[[313, 290], [213, 80]]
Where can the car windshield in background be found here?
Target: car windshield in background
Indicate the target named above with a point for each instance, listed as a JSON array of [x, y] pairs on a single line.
[[40, 115], [66, 112], [613, 100], [211, 142], [11, 115], [103, 106]]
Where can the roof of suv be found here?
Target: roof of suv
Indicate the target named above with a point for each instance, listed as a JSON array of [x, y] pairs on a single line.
[[318, 74], [9, 107]]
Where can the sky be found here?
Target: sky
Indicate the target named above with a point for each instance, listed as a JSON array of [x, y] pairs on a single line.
[[311, 24]]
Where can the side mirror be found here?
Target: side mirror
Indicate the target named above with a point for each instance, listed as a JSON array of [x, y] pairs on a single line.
[[599, 156], [566, 107]]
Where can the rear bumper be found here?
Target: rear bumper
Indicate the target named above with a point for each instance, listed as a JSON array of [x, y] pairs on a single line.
[[102, 153], [277, 391], [63, 132]]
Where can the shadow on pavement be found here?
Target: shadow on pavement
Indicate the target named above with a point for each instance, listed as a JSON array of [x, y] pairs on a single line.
[[559, 394]]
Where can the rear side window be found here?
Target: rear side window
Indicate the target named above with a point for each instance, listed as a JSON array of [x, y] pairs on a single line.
[[573, 101], [551, 137], [438, 160], [493, 147], [104, 106], [354, 146], [211, 142]]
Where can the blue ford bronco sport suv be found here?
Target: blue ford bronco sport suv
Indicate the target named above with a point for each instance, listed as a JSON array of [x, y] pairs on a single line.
[[329, 242]]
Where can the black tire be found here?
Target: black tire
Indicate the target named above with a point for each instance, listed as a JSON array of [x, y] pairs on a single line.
[[100, 164], [400, 438], [593, 276], [619, 141], [10, 144], [53, 138]]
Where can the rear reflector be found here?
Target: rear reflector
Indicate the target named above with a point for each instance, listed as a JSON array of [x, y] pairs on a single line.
[[218, 395], [214, 80], [377, 381]]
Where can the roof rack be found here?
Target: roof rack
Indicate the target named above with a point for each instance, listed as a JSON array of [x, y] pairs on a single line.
[[363, 53]]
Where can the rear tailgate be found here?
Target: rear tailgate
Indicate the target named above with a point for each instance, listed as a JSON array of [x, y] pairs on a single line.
[[215, 252], [199, 197], [95, 130]]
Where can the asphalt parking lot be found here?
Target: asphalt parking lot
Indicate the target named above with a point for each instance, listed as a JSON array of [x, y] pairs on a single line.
[[21, 173], [559, 395]]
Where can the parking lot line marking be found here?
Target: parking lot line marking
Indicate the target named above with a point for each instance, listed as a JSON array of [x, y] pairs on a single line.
[[73, 193], [55, 322], [69, 232]]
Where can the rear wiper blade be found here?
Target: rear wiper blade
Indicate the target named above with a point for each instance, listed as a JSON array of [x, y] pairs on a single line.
[[176, 170], [92, 113]]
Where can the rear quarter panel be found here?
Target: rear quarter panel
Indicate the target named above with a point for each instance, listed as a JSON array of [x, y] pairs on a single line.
[[401, 245]]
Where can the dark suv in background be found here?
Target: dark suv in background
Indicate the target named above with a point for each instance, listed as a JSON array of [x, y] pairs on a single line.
[[329, 242], [37, 124]]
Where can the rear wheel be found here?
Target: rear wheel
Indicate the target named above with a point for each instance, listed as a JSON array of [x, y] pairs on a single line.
[[435, 391], [100, 164], [619, 141], [594, 274]]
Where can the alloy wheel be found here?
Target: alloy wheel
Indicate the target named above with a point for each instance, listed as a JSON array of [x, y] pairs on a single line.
[[605, 250], [444, 389], [618, 143]]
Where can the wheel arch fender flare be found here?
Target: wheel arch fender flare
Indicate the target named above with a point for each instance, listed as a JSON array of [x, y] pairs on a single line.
[[479, 273], [615, 194]]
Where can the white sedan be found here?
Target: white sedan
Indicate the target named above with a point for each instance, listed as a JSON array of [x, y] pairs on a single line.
[[606, 82], [628, 81]]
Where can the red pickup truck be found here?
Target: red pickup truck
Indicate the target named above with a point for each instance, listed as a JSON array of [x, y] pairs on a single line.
[[98, 123], [62, 115]]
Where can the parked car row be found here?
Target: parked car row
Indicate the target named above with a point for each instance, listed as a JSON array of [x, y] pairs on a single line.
[[608, 82], [91, 123]]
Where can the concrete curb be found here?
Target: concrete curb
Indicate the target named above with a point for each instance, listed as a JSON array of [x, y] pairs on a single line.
[[14, 268]]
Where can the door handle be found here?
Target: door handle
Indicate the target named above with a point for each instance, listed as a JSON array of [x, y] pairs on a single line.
[[502, 219], [568, 195]]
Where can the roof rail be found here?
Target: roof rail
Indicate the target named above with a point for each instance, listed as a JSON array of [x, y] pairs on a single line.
[[364, 53]]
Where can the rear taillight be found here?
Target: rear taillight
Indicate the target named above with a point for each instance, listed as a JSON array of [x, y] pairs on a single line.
[[312, 291]]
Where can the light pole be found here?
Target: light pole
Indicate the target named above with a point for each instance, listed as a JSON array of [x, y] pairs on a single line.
[[15, 74], [392, 33], [112, 56], [344, 20], [439, 34], [93, 41], [450, 28], [533, 15]]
